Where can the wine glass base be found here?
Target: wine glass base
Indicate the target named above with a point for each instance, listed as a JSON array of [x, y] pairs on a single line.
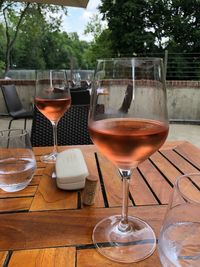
[[50, 158], [136, 244]]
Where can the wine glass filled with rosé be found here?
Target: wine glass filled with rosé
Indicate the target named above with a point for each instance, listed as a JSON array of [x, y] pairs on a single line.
[[52, 100], [127, 125]]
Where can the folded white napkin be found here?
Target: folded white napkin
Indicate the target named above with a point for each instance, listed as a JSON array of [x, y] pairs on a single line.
[[71, 169]]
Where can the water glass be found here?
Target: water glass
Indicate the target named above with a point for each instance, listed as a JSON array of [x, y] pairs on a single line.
[[17, 161], [179, 242]]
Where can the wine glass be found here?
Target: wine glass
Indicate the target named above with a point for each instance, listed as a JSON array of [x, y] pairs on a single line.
[[130, 126], [17, 160], [52, 100], [179, 243], [76, 79]]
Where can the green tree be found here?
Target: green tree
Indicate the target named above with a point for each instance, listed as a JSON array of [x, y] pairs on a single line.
[[19, 15], [126, 21], [11, 28], [2, 45], [101, 45], [143, 26], [177, 22], [27, 51], [78, 48], [40, 43], [140, 27], [100, 48]]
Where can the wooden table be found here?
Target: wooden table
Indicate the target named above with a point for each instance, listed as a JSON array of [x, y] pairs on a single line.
[[44, 226]]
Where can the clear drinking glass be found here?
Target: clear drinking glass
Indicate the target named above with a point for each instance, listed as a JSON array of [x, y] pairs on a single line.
[[127, 125], [179, 241], [52, 100], [17, 161]]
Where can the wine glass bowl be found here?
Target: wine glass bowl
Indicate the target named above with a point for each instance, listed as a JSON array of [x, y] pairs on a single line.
[[132, 126], [52, 100]]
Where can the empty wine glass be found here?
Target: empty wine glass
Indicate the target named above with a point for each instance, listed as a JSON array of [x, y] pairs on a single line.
[[17, 160], [127, 125], [179, 242], [52, 100]]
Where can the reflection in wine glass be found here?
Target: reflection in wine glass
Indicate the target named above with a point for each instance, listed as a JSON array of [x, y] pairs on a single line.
[[132, 125], [52, 100], [75, 79]]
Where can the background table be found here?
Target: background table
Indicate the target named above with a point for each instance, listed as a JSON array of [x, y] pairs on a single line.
[[44, 226]]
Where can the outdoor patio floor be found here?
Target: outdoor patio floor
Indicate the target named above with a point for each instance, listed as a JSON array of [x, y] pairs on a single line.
[[186, 132]]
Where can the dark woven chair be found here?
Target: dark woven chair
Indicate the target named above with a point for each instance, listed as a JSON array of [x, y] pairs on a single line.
[[14, 105], [72, 128]]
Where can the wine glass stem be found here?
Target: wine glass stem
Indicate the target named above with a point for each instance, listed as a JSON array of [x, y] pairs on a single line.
[[124, 225], [125, 201], [55, 142]]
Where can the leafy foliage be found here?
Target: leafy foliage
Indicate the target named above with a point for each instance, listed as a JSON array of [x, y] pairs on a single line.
[[101, 46], [140, 26], [31, 36], [30, 22]]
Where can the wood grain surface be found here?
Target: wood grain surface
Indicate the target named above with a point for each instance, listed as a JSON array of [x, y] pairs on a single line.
[[45, 226]]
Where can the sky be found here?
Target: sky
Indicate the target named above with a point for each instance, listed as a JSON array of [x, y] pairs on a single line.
[[77, 19]]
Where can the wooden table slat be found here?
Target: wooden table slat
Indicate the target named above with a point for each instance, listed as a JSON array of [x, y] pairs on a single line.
[[49, 197], [64, 227], [45, 226], [165, 166], [15, 204], [3, 256], [50, 257], [172, 145], [40, 164], [159, 186], [190, 152], [139, 190], [29, 191], [86, 258], [112, 182], [39, 171], [181, 164], [35, 180]]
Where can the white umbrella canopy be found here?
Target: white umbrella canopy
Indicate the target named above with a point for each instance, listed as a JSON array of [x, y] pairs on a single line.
[[72, 3]]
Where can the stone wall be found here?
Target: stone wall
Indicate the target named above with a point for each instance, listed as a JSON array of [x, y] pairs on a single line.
[[183, 98]]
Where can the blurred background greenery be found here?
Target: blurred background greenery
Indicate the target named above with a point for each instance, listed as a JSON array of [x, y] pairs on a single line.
[[31, 36]]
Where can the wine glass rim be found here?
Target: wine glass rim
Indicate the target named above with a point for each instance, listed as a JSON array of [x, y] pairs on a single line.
[[47, 71], [22, 132], [130, 58], [61, 70], [177, 184]]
